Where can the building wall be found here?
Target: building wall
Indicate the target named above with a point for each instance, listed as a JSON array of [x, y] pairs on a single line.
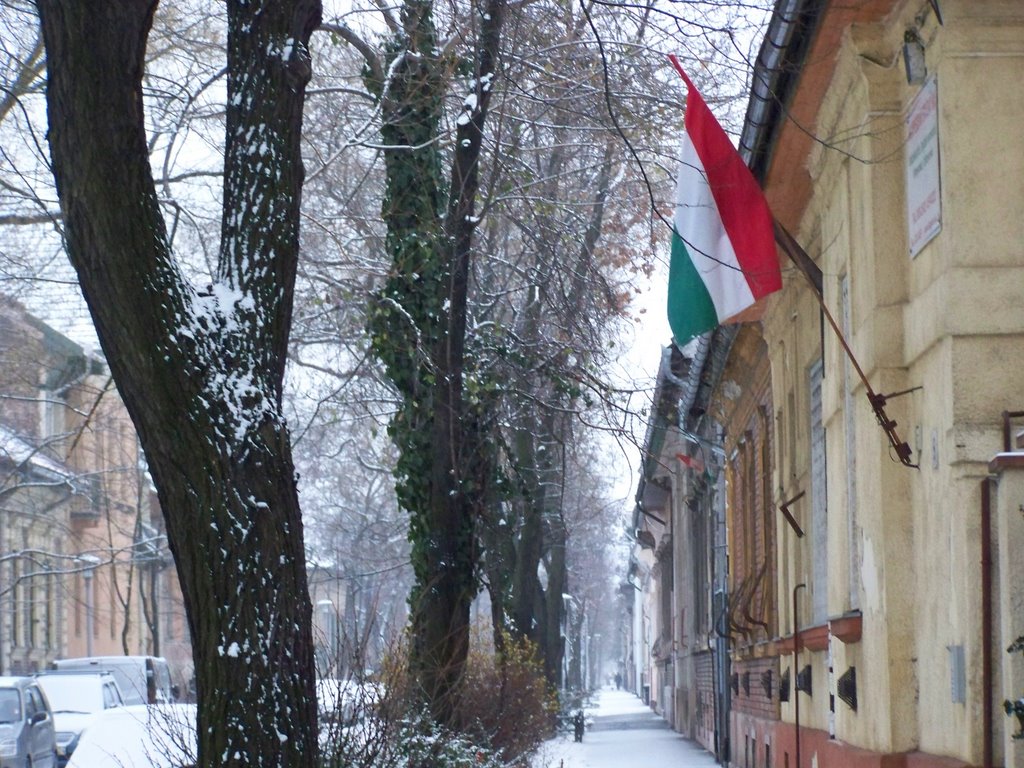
[[78, 511], [743, 408], [108, 516], [1007, 535], [704, 700], [31, 598], [35, 501], [902, 545], [691, 618]]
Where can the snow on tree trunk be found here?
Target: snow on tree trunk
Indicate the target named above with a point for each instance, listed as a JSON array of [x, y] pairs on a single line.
[[201, 371]]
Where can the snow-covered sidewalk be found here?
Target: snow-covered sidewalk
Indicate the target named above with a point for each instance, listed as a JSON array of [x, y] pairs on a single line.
[[625, 733]]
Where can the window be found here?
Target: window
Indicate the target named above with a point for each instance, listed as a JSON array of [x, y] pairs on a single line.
[[52, 407], [665, 620], [15, 592], [819, 519], [10, 705], [849, 427], [31, 621], [110, 696], [79, 602], [25, 591]]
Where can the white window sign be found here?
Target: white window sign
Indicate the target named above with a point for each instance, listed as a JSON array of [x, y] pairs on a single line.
[[924, 200]]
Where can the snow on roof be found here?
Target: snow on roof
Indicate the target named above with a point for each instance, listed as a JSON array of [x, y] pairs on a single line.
[[19, 452], [157, 736]]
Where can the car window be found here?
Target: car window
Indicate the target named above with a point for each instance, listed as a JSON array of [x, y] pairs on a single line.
[[10, 705], [33, 702], [111, 698], [70, 692]]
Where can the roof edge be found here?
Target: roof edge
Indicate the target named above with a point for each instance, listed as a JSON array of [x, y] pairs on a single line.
[[777, 70]]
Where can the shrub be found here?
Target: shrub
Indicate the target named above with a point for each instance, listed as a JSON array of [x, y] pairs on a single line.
[[505, 698], [506, 712], [424, 744]]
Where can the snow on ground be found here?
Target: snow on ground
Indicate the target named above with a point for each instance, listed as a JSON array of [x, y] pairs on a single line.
[[625, 733]]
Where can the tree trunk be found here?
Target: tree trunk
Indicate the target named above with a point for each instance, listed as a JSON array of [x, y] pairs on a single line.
[[201, 372], [553, 644], [419, 333]]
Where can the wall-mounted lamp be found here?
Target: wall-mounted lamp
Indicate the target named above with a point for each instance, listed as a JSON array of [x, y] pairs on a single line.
[[913, 57]]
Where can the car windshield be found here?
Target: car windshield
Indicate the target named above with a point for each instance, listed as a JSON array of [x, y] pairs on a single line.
[[10, 706], [73, 693]]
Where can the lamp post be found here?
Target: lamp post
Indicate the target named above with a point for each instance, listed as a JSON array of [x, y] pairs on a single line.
[[328, 621], [148, 555], [89, 564]]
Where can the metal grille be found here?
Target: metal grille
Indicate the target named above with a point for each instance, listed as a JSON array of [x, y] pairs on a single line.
[[846, 688], [803, 680]]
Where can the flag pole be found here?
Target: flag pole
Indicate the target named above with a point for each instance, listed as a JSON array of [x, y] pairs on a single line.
[[806, 266]]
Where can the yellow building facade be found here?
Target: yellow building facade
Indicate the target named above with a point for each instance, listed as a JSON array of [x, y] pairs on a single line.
[[887, 137], [84, 566]]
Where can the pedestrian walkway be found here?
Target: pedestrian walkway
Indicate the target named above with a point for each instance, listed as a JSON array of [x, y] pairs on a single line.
[[625, 733]]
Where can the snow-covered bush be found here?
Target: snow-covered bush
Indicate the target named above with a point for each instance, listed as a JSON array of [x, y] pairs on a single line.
[[424, 744], [506, 711]]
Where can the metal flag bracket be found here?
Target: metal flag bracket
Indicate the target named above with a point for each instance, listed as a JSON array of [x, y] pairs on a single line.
[[888, 425], [878, 401]]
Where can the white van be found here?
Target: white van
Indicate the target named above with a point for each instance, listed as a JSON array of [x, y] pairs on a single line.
[[142, 679], [75, 696]]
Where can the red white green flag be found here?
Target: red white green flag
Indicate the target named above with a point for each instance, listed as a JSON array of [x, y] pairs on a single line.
[[723, 243]]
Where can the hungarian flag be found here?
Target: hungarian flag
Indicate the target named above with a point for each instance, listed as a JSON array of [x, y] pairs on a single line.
[[693, 462], [723, 242]]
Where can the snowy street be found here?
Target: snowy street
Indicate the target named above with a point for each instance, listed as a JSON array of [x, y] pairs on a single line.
[[625, 733]]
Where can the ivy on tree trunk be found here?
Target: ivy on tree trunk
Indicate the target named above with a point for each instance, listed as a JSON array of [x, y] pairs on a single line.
[[418, 329]]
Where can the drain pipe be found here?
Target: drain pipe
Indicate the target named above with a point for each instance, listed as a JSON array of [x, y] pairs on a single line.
[[796, 667], [986, 623]]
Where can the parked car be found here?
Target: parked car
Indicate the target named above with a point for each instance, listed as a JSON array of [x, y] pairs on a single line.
[[350, 718], [75, 697], [142, 679], [139, 736], [26, 725]]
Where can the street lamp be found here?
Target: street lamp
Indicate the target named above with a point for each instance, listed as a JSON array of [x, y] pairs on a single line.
[[147, 552]]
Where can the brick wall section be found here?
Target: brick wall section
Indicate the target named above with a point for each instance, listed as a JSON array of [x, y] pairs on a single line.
[[757, 702], [749, 440], [755, 714]]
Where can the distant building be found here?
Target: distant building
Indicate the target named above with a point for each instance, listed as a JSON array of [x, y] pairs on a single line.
[[84, 566], [328, 591]]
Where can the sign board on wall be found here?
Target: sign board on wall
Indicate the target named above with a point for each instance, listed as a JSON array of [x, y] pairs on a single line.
[[924, 198]]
